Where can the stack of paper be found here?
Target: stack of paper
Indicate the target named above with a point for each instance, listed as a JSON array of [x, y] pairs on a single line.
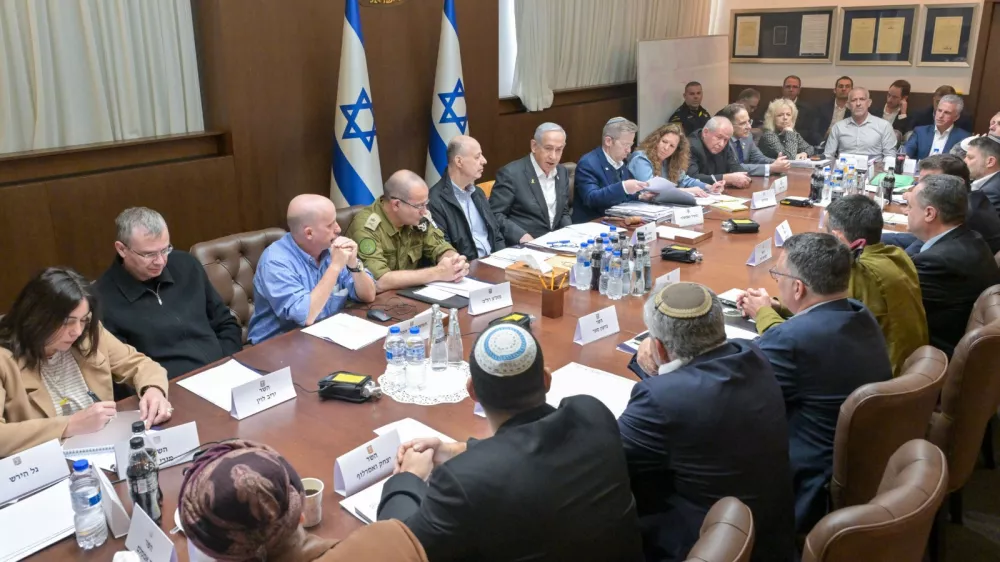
[[809, 163], [36, 522], [732, 332], [566, 240], [348, 331], [509, 256], [216, 384], [645, 211], [461, 288], [591, 229], [575, 379], [894, 218]]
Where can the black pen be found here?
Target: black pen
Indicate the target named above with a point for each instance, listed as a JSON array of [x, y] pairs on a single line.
[[93, 396]]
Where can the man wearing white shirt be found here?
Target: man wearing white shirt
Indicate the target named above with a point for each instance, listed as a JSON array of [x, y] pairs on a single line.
[[863, 133], [940, 137], [983, 159], [531, 195]]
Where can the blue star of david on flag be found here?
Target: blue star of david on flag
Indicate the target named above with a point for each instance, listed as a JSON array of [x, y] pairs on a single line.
[[449, 99], [353, 130]]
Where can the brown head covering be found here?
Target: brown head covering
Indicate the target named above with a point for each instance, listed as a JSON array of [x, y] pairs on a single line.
[[240, 500]]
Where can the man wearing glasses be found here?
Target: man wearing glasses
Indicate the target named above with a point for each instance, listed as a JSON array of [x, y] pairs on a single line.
[[396, 236], [166, 309]]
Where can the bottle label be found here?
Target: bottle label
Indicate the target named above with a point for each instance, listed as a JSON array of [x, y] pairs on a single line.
[[95, 499], [142, 485]]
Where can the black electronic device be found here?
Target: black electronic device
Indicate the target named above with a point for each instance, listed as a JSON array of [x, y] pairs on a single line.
[[793, 201], [740, 226], [351, 387], [520, 318], [684, 254], [378, 315]]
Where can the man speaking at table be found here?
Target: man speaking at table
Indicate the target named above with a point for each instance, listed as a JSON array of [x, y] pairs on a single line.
[[602, 178], [747, 154], [862, 133], [550, 485], [711, 158], [396, 235], [308, 274]]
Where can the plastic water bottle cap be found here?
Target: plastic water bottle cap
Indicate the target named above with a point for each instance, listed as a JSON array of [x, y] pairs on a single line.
[[415, 330], [614, 228], [617, 253], [80, 465], [590, 241], [394, 329], [586, 264]]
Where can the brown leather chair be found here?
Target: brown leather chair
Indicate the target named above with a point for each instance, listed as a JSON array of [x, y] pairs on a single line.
[[487, 187], [970, 394], [346, 215], [230, 263], [895, 524], [878, 418], [726, 534], [571, 172]]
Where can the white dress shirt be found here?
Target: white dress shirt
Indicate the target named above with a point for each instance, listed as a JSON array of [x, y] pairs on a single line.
[[940, 139], [616, 165], [890, 116], [548, 185], [978, 184]]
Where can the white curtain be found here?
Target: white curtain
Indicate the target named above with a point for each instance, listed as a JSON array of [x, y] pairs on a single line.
[[565, 44], [84, 71]]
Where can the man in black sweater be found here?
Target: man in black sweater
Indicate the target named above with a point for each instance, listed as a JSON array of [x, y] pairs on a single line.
[[711, 158], [166, 309]]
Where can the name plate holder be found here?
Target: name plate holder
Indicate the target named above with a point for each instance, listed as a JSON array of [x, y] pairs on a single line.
[[263, 393], [174, 445], [365, 465], [148, 540], [597, 325], [763, 199], [688, 216], [32, 469], [489, 299], [782, 234], [761, 253]]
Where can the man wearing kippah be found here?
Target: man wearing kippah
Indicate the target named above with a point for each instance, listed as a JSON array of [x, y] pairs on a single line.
[[707, 421], [550, 485]]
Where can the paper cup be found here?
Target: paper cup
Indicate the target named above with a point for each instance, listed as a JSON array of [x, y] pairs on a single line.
[[313, 505]]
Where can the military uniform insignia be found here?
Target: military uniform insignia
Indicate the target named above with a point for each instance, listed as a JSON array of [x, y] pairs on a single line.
[[372, 223], [367, 246]]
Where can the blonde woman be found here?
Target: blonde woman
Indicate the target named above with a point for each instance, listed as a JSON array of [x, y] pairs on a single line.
[[780, 136], [665, 152]]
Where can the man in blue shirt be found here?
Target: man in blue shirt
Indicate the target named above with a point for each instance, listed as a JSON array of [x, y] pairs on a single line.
[[308, 274]]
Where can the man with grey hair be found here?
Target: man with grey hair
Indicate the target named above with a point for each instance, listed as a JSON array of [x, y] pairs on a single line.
[[711, 158], [460, 207], [862, 133], [707, 421], [942, 136], [531, 196], [954, 263], [160, 301], [830, 347], [602, 178]]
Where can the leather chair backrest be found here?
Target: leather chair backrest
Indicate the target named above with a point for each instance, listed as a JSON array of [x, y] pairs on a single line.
[[895, 524], [876, 419], [346, 215], [230, 263], [726, 534], [487, 187], [571, 172], [971, 390]]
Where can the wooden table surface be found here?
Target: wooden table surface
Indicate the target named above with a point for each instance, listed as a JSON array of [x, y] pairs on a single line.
[[312, 433]]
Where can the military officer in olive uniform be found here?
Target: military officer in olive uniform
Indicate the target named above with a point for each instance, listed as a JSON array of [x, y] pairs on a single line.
[[691, 115], [396, 235]]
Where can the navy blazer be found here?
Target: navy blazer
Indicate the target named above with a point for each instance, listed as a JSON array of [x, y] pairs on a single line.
[[713, 428], [598, 186], [919, 145], [819, 359], [991, 190]]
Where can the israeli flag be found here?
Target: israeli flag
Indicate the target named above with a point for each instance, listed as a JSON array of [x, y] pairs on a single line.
[[357, 175], [448, 115]]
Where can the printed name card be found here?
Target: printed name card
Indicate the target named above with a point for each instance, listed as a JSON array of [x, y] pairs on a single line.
[[910, 166], [114, 511], [687, 216], [422, 320], [32, 469], [761, 253], [780, 185], [782, 233], [650, 232], [148, 540], [763, 199], [366, 465], [669, 277], [173, 446], [597, 325], [489, 299], [263, 393]]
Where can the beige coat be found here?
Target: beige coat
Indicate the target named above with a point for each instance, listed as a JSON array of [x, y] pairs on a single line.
[[27, 414]]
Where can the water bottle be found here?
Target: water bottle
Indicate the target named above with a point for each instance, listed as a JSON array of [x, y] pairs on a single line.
[[415, 353], [647, 265], [615, 276], [638, 271], [456, 355], [439, 341], [613, 238], [395, 351], [139, 430], [595, 263], [816, 185], [88, 516], [144, 480], [850, 180], [582, 257], [626, 271], [887, 187], [605, 269], [827, 186], [585, 275]]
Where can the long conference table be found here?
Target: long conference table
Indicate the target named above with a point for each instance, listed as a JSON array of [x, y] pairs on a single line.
[[312, 433]]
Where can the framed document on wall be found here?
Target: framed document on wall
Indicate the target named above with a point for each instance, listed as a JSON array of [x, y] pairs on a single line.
[[948, 35], [782, 36], [877, 35]]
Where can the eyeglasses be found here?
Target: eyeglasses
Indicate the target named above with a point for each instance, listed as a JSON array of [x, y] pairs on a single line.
[[150, 256], [775, 274], [419, 207]]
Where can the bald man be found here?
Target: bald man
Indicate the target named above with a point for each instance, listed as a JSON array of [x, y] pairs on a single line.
[[397, 238], [308, 274], [460, 208]]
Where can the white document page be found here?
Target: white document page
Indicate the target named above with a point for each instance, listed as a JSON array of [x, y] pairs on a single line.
[[732, 332], [509, 256], [659, 184], [591, 229], [434, 293], [575, 379], [216, 384], [410, 429], [347, 331], [461, 288], [364, 504], [36, 522], [118, 429]]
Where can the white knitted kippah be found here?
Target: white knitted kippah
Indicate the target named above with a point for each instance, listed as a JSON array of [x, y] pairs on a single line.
[[505, 350]]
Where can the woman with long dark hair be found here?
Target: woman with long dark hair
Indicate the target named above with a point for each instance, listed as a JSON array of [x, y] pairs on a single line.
[[665, 152], [57, 364]]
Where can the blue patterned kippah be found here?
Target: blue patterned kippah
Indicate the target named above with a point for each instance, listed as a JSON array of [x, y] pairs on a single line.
[[505, 350], [507, 368]]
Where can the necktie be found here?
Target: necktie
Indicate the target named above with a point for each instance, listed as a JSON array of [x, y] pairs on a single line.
[[739, 150]]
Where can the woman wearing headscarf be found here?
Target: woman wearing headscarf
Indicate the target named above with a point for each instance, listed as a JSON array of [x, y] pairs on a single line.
[[242, 501]]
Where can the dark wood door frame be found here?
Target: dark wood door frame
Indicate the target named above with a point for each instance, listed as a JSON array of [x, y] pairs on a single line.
[[979, 67]]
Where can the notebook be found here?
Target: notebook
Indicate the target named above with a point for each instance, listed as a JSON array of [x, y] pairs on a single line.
[[118, 429]]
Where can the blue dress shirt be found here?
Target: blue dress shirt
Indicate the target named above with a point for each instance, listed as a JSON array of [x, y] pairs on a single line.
[[475, 220], [281, 286], [931, 241]]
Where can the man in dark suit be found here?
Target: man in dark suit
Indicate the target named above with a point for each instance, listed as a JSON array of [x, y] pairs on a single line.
[[602, 178], [460, 208], [954, 263], [706, 422], [751, 159], [836, 110], [711, 158], [806, 123], [942, 135], [550, 485], [829, 347], [983, 159], [897, 100], [926, 116], [531, 196]]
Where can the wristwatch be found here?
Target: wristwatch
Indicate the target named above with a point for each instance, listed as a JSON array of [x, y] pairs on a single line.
[[358, 269]]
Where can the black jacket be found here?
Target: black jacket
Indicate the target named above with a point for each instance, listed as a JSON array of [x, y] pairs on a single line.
[[550, 486], [953, 272], [519, 205], [177, 319], [704, 164], [983, 218], [450, 218], [806, 123], [991, 189], [690, 119]]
